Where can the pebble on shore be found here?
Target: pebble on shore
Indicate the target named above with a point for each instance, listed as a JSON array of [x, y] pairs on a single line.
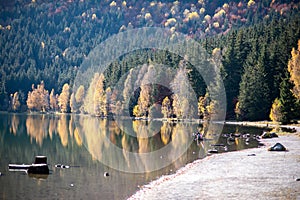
[[106, 174]]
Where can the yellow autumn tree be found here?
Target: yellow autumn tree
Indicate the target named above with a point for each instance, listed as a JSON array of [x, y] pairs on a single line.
[[88, 103], [43, 96], [73, 105], [99, 96], [294, 70], [64, 99], [177, 106], [251, 3], [107, 102], [144, 100], [136, 111], [207, 107], [15, 104], [30, 101], [183, 97], [38, 98], [276, 111], [79, 98], [53, 101], [166, 108], [202, 104]]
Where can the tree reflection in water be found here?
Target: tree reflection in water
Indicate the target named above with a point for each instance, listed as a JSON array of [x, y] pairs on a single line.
[[86, 141], [126, 145]]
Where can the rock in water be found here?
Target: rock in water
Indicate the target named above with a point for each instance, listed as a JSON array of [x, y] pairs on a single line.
[[62, 166], [213, 151], [58, 165], [273, 135], [106, 174], [277, 147], [269, 135]]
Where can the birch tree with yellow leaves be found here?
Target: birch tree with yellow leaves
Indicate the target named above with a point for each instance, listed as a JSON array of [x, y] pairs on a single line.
[[64, 99], [294, 69]]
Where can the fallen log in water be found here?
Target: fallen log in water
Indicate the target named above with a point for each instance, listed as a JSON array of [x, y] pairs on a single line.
[[40, 166]]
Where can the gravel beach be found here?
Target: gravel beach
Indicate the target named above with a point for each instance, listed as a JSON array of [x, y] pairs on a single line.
[[248, 174]]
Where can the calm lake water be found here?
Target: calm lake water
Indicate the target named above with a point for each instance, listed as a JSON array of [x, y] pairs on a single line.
[[84, 143]]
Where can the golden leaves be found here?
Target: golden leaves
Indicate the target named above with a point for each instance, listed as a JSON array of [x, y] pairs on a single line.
[[294, 69]]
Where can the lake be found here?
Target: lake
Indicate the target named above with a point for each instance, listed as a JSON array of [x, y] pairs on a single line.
[[132, 152]]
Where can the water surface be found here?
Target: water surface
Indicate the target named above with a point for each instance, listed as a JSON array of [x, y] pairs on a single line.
[[84, 143]]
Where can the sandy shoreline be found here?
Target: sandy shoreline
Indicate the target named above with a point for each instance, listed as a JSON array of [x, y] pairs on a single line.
[[247, 174], [265, 124]]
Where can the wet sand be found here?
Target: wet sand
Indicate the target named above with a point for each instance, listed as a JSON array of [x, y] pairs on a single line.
[[248, 174]]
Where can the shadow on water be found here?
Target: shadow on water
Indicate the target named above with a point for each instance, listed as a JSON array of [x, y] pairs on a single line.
[[93, 146]]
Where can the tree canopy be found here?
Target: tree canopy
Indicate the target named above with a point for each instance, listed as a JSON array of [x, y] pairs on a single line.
[[44, 43]]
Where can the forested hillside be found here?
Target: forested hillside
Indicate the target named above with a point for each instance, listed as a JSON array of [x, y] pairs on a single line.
[[45, 43]]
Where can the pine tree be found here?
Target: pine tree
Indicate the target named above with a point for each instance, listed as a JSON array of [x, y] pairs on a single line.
[[241, 48], [128, 91], [231, 73], [254, 94], [155, 112], [129, 85], [287, 100], [212, 106]]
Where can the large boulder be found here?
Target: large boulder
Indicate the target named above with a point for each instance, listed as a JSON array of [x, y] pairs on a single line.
[[277, 147]]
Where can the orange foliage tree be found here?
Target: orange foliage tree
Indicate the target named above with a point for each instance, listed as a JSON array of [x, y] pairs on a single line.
[[38, 98]]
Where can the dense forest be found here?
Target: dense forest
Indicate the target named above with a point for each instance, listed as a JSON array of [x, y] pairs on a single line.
[[43, 44]]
